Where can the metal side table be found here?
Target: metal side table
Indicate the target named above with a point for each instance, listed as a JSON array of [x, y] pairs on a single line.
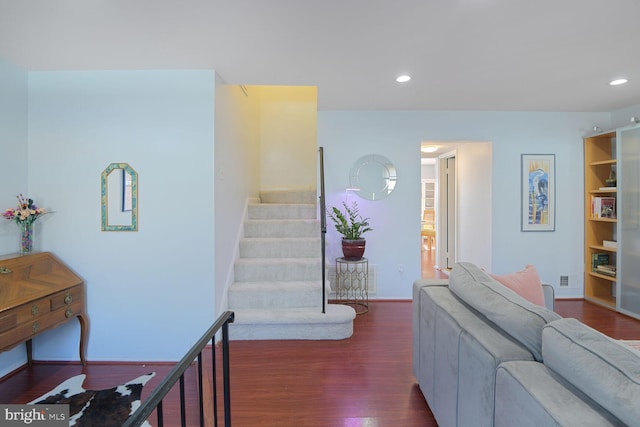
[[352, 283]]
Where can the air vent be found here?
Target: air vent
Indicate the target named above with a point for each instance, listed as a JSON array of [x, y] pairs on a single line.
[[564, 281]]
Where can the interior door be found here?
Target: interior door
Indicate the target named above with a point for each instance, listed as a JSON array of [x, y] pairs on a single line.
[[449, 211]]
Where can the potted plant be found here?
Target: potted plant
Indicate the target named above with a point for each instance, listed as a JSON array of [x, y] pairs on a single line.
[[352, 226]]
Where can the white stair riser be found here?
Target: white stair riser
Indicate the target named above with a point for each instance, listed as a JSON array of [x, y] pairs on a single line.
[[241, 297], [295, 196], [278, 211], [282, 228], [336, 331], [280, 247], [247, 270], [335, 323]]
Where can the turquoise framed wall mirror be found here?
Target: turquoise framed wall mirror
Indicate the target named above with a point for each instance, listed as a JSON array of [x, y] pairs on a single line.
[[119, 198]]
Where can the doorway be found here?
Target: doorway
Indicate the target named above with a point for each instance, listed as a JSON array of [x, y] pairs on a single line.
[[462, 186], [429, 213]]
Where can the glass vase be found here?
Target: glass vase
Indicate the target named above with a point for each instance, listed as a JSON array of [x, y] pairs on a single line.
[[26, 237]]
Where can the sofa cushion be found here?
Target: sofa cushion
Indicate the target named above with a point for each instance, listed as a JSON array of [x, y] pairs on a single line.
[[601, 367], [516, 316], [528, 394], [525, 283]]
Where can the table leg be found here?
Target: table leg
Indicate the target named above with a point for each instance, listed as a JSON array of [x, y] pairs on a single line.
[[84, 335], [29, 344]]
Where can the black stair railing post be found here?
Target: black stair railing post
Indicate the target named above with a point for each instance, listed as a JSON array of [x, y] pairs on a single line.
[[226, 377], [323, 227]]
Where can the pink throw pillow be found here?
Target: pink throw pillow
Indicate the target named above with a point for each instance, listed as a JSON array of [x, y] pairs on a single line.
[[525, 283]]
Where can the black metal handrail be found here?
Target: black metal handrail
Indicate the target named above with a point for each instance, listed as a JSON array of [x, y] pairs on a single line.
[[323, 226], [154, 401]]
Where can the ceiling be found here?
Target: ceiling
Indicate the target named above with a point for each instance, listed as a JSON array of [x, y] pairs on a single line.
[[544, 55]]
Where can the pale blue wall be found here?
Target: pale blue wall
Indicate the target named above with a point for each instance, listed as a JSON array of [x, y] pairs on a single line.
[[395, 240], [150, 293], [13, 169], [622, 117], [13, 146]]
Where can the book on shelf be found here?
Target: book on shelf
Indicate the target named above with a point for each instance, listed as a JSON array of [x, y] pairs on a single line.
[[610, 243], [607, 189], [599, 258], [601, 263], [603, 207], [608, 270]]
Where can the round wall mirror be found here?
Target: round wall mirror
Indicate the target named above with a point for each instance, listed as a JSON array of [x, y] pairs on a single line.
[[373, 177]]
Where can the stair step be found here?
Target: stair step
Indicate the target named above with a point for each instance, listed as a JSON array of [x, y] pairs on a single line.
[[274, 247], [289, 196], [281, 211], [275, 295], [308, 324], [277, 269], [282, 228]]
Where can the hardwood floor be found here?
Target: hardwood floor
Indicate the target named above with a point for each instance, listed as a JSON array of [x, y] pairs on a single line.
[[608, 322], [428, 260], [365, 380]]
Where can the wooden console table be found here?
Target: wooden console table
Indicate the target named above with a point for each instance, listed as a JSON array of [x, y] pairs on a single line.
[[38, 293]]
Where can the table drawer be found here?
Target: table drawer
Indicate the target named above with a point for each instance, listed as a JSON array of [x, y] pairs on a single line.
[[34, 310], [28, 330], [67, 297], [31, 310], [8, 321]]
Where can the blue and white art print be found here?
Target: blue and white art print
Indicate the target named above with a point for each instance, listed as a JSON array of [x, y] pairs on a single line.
[[538, 192]]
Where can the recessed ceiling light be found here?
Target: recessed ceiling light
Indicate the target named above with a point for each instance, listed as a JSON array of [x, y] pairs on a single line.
[[403, 78], [429, 149], [618, 82]]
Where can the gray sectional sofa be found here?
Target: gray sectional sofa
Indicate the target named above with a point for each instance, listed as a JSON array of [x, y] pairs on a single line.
[[484, 356]]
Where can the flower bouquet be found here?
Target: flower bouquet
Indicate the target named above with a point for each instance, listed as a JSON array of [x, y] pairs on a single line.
[[25, 214]]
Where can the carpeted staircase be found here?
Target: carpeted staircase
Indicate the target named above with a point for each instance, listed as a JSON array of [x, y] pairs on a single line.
[[277, 293]]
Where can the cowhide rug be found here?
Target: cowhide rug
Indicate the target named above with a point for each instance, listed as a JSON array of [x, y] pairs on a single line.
[[97, 408]]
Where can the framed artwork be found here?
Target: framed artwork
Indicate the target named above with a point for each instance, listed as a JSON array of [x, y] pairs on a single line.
[[538, 192]]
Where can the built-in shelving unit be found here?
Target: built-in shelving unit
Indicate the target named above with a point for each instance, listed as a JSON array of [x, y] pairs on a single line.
[[600, 227], [612, 219]]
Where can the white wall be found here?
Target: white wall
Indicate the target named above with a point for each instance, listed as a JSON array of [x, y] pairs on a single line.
[[13, 172], [260, 132], [288, 128], [395, 240], [474, 208], [237, 159], [150, 293], [428, 171]]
